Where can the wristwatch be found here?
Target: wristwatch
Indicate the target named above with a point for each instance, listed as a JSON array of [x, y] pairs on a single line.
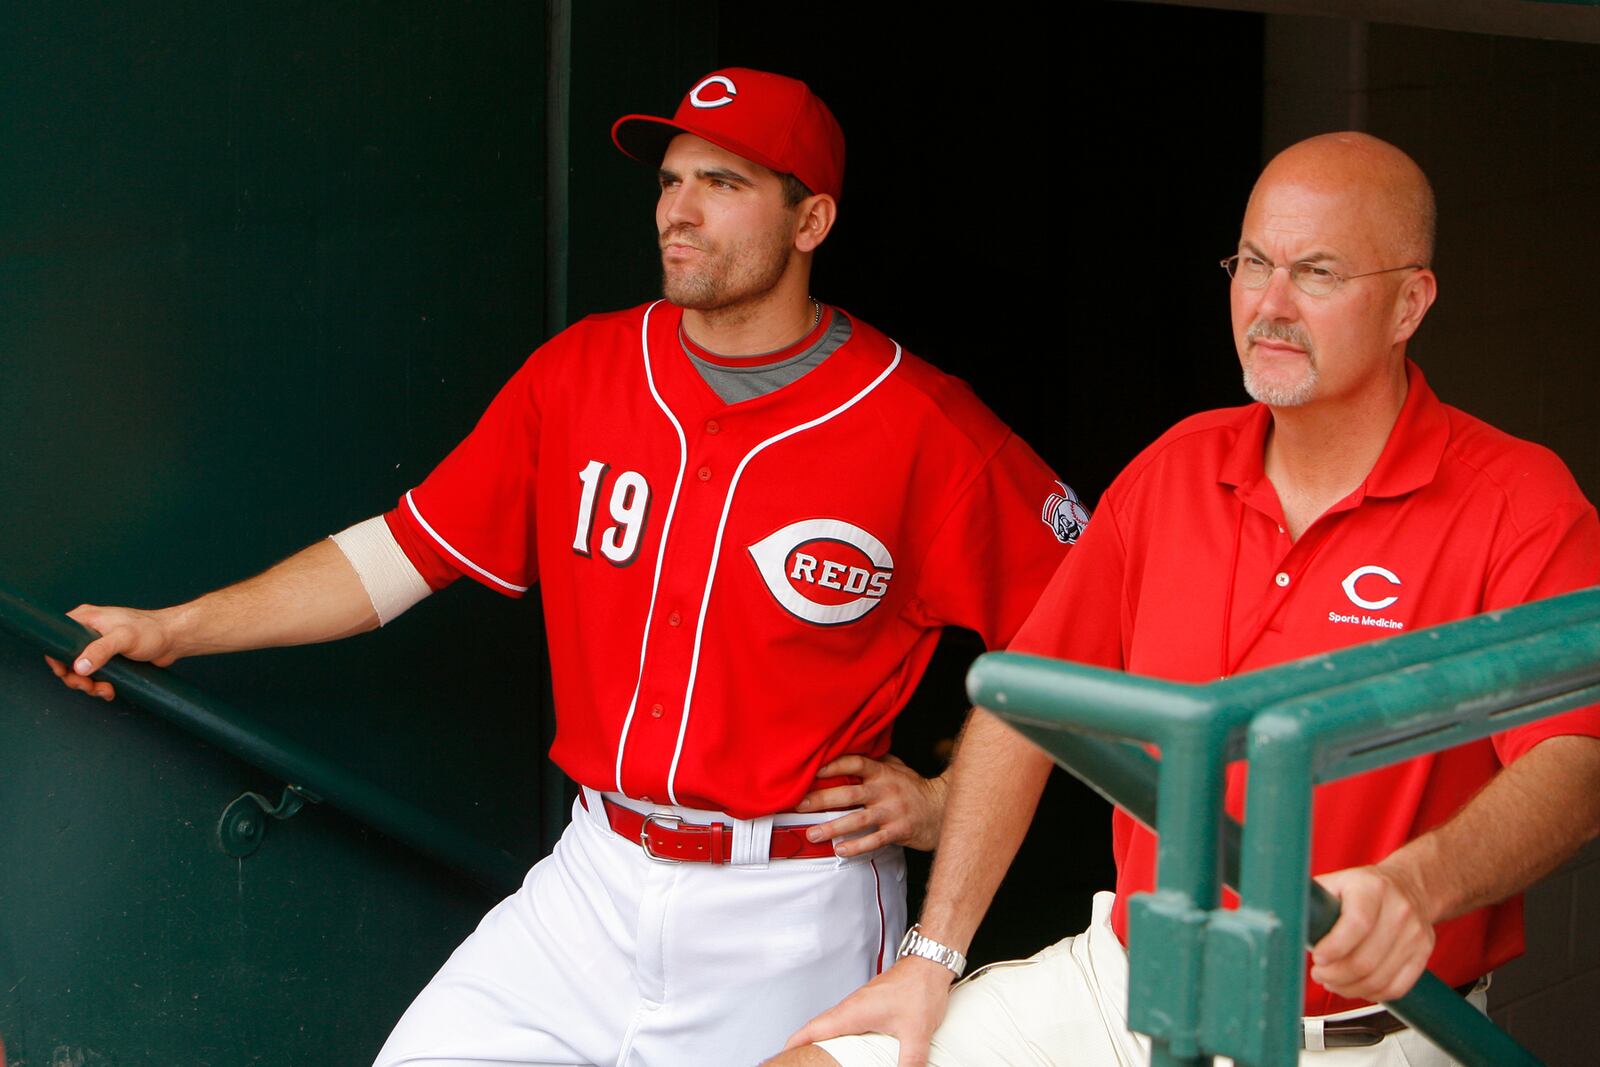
[[915, 944]]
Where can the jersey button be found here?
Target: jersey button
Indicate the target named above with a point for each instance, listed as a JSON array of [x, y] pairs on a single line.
[[674, 619], [655, 711], [712, 426], [704, 474], [1282, 579]]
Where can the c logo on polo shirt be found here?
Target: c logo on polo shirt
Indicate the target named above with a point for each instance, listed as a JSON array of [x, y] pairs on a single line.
[[825, 571], [729, 92], [1349, 587]]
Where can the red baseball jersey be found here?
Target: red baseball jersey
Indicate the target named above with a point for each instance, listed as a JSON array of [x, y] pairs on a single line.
[[1189, 558], [736, 595]]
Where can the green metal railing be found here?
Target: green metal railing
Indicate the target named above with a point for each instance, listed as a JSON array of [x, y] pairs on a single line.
[[310, 776], [1208, 981]]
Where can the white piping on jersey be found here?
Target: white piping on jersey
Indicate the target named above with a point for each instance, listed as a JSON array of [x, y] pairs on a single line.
[[448, 547], [877, 892], [661, 549], [716, 553]]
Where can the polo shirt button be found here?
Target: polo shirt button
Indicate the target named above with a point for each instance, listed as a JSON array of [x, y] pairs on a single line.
[[655, 711], [674, 619], [712, 426], [1282, 579], [704, 474]]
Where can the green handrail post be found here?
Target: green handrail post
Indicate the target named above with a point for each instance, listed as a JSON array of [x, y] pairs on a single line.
[[1188, 822], [1194, 735], [1185, 806], [1126, 775], [1272, 893], [1191, 783]]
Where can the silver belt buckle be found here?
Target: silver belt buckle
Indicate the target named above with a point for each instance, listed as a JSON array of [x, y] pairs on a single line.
[[644, 834]]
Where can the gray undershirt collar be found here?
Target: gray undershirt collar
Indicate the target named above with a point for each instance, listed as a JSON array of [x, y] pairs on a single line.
[[735, 383]]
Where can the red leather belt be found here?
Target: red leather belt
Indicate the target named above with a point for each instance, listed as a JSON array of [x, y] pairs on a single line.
[[668, 838]]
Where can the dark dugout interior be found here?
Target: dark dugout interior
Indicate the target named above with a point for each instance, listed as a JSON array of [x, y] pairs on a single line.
[[1037, 204]]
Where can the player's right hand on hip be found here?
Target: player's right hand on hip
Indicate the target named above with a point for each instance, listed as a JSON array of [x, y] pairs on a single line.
[[897, 806], [129, 632]]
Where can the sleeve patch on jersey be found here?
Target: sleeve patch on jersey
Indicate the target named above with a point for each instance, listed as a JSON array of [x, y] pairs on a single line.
[[1065, 514]]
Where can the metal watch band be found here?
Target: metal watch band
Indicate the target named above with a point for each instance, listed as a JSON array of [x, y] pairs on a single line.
[[915, 944]]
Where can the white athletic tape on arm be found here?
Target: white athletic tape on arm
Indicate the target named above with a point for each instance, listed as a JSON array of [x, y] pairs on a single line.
[[391, 582]]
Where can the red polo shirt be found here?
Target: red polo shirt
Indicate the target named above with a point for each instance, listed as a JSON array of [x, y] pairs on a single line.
[[1187, 573]]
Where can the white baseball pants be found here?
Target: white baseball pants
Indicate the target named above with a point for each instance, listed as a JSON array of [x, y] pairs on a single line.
[[605, 957], [1066, 1007]]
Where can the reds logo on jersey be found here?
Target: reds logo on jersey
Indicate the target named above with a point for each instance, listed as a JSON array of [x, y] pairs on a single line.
[[825, 571]]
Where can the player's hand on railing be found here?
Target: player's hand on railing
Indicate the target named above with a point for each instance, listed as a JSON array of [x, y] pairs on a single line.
[[907, 1002], [1381, 943], [129, 632], [898, 806]]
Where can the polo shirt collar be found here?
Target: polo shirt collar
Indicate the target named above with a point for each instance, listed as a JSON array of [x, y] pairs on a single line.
[[1416, 445], [1245, 463], [1409, 460]]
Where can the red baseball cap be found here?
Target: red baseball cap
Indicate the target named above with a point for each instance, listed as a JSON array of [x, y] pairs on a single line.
[[766, 118]]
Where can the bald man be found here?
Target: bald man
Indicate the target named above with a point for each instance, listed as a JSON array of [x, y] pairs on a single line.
[[1346, 504]]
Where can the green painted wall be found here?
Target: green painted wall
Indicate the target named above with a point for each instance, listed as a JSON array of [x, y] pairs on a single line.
[[260, 267]]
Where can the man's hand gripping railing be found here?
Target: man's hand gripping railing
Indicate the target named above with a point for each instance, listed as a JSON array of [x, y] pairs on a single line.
[[312, 776]]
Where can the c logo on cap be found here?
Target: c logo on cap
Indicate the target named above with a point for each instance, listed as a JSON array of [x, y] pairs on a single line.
[[716, 79]]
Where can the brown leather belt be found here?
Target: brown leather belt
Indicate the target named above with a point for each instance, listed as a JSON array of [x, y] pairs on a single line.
[[666, 837], [1365, 1030]]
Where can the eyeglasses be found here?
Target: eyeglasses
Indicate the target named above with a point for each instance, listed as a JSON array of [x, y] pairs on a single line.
[[1253, 272]]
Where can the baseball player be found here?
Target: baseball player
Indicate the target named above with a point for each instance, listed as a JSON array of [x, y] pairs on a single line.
[[749, 514]]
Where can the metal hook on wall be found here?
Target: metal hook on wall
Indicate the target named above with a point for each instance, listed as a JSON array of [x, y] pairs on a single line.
[[244, 821]]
